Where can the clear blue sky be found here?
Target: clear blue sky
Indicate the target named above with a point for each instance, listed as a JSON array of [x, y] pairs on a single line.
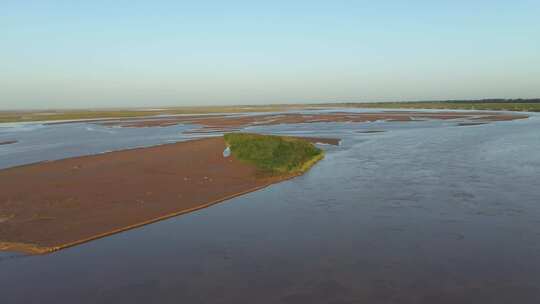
[[165, 53]]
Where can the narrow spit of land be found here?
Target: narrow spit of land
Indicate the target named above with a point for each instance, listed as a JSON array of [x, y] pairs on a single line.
[[53, 205]]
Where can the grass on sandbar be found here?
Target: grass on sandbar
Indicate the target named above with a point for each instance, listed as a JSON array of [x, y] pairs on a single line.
[[274, 154]]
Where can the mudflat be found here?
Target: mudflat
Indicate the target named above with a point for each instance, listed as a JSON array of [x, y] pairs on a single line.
[[228, 123], [53, 205]]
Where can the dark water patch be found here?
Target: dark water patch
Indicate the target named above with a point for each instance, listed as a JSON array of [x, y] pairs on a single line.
[[370, 131], [468, 124], [8, 142]]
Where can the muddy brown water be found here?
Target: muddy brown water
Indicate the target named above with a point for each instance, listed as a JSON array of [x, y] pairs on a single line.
[[426, 212]]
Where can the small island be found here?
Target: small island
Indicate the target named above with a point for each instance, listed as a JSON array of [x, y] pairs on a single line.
[[49, 206], [274, 155]]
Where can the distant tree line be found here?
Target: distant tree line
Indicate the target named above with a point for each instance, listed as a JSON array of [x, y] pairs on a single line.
[[493, 100]]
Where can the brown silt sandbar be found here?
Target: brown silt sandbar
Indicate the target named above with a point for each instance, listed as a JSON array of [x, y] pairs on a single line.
[[53, 205]]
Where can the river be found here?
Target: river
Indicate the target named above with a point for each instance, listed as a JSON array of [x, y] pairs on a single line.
[[425, 212]]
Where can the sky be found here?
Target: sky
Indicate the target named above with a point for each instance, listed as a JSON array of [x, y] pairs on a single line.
[[81, 54]]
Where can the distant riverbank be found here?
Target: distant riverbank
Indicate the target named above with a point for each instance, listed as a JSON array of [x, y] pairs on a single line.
[[523, 105]]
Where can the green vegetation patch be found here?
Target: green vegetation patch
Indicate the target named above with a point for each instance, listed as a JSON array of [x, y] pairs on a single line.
[[274, 154]]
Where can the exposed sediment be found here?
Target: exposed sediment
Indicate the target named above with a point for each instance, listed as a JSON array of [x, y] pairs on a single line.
[[227, 123], [49, 206]]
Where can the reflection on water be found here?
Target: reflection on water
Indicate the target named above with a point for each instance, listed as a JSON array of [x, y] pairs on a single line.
[[426, 212]]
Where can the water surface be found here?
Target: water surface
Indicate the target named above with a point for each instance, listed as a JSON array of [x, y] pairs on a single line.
[[426, 212]]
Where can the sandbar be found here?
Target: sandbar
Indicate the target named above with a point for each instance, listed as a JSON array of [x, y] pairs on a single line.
[[49, 206]]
